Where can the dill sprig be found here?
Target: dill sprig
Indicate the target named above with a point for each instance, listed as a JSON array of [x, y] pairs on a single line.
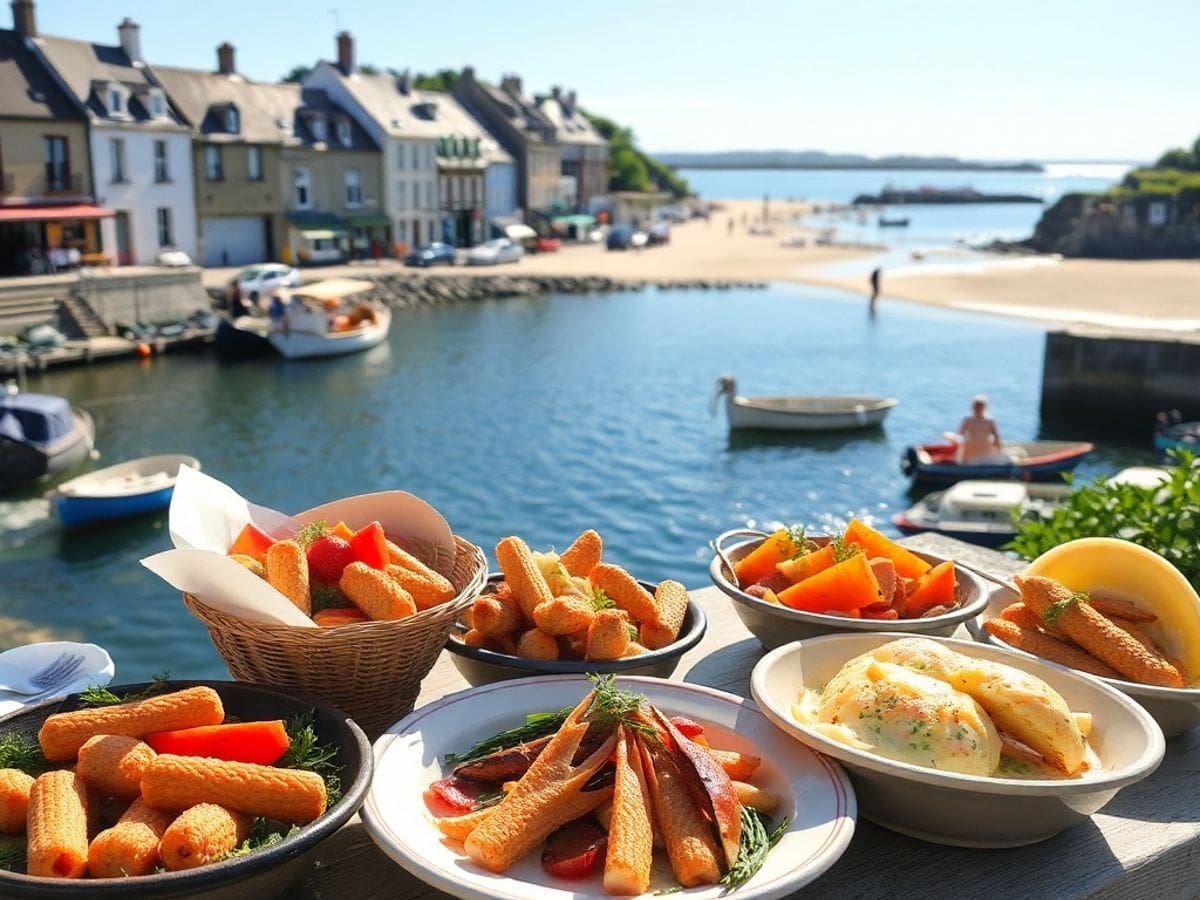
[[310, 532], [305, 751], [94, 695], [13, 855], [262, 835], [612, 706], [843, 551], [1055, 610], [802, 544], [601, 600], [536, 725], [19, 752], [758, 837]]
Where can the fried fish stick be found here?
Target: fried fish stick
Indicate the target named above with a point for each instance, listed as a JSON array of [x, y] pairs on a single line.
[[14, 800], [398, 556], [495, 617], [755, 797], [608, 636], [1117, 608], [625, 591], [671, 600], [426, 590], [335, 617], [113, 764], [287, 572], [458, 827], [630, 833], [1096, 634], [738, 766], [1048, 647], [62, 734], [375, 593], [202, 834], [288, 795], [568, 614], [131, 846], [1147, 640], [522, 574], [584, 554], [691, 846], [1023, 617], [58, 826], [536, 644]]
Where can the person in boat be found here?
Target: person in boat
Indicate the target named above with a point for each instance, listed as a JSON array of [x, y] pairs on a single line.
[[980, 438]]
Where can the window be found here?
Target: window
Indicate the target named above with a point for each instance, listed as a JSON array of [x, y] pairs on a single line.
[[232, 120], [401, 157], [161, 174], [214, 170], [163, 219], [254, 163], [318, 128], [116, 153], [301, 189], [343, 132], [158, 104], [456, 190], [445, 185], [115, 101], [353, 187], [58, 165]]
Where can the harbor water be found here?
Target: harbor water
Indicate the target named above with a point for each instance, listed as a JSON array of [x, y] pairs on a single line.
[[538, 417]]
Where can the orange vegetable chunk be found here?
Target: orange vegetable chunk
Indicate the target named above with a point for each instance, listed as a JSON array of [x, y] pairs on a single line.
[[846, 587], [936, 588], [252, 541], [762, 560], [796, 570], [874, 544], [252, 742]]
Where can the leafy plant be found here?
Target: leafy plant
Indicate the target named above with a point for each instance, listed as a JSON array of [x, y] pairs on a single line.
[[1164, 518]]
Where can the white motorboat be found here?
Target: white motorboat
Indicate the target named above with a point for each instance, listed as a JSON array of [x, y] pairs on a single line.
[[117, 492], [801, 413], [981, 512], [320, 320]]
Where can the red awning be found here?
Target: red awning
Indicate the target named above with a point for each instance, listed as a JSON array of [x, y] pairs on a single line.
[[53, 213]]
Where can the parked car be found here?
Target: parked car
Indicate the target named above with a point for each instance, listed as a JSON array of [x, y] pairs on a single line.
[[660, 233], [547, 245], [259, 281], [500, 250], [619, 237], [172, 257], [431, 255]]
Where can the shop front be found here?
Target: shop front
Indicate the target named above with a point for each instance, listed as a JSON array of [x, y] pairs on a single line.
[[41, 240], [370, 234], [316, 238]]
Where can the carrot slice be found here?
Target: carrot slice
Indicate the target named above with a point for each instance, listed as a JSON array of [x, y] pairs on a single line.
[[252, 742], [846, 587], [908, 564], [936, 588], [796, 570], [762, 560]]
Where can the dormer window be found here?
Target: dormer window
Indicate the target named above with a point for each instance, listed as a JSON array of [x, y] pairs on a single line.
[[116, 100], [343, 132], [318, 128], [232, 120], [157, 104]]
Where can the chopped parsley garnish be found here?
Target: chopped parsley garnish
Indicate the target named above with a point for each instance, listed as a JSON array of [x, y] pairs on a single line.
[[1055, 610]]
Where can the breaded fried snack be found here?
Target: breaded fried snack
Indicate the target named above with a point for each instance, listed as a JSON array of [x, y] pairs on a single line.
[[688, 836], [522, 574], [583, 554], [14, 800], [58, 826], [426, 589], [131, 846], [536, 644], [112, 764], [567, 614], [670, 600], [495, 616], [375, 593], [630, 834], [608, 636], [200, 835], [287, 572], [1048, 647], [287, 795], [62, 734], [625, 591]]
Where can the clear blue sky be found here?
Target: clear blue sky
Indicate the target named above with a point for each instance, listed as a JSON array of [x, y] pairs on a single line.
[[1106, 79]]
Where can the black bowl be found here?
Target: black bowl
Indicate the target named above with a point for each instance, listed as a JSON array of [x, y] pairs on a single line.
[[480, 666], [261, 874]]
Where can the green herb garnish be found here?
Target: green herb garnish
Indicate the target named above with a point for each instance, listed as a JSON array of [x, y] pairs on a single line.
[[758, 837], [673, 889], [1055, 610], [612, 706], [13, 855], [20, 752], [311, 532], [327, 596], [802, 544], [601, 600], [843, 551], [95, 695], [262, 835], [537, 725], [305, 751]]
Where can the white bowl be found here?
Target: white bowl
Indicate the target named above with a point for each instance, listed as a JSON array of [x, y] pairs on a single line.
[[1176, 710], [967, 810]]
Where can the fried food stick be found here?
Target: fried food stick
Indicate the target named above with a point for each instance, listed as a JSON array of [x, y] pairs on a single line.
[[671, 601], [521, 572], [691, 846], [58, 820], [113, 764], [427, 589], [495, 616], [608, 635], [14, 800], [1116, 608], [131, 846], [1096, 634], [625, 591], [62, 734], [584, 554], [202, 834], [1048, 647], [1023, 617], [287, 572], [630, 832], [375, 593], [180, 782]]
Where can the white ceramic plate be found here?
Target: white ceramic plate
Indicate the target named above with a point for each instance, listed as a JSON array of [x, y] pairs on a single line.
[[815, 794]]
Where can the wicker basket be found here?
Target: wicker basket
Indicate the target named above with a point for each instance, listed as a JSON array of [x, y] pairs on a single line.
[[371, 671]]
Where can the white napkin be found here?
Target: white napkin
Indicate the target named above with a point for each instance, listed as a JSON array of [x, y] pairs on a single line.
[[21, 662]]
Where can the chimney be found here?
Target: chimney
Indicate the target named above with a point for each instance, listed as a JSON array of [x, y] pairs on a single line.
[[225, 59], [345, 50], [131, 41], [404, 82], [24, 21], [511, 85], [556, 92], [569, 103]]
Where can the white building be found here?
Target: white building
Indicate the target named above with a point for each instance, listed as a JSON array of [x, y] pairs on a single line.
[[390, 112], [141, 150]]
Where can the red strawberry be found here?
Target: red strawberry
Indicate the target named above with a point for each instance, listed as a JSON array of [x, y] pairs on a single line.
[[328, 555], [574, 850]]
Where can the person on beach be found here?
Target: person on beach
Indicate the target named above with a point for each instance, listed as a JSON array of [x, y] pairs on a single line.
[[980, 437], [729, 225], [876, 273]]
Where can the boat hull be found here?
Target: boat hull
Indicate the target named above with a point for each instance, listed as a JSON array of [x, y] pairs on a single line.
[[122, 491], [309, 345], [993, 537], [23, 464], [770, 414], [1048, 463], [79, 512], [231, 340]]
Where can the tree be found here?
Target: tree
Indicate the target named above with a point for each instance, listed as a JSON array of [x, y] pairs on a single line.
[[629, 169], [297, 75], [442, 80], [626, 171], [368, 69]]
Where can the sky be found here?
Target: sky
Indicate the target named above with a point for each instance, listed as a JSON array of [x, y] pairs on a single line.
[[1022, 79]]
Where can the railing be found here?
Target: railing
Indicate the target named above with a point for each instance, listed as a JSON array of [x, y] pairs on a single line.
[[57, 182]]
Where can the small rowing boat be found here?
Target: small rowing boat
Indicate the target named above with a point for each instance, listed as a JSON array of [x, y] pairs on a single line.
[[41, 436], [801, 413], [1020, 460], [128, 489]]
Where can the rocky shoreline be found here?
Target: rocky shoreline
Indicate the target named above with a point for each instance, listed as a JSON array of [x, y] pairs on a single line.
[[404, 290]]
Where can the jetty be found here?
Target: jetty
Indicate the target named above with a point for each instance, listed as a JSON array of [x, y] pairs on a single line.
[[935, 195]]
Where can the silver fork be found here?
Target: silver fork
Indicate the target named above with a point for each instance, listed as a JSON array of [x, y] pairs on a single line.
[[61, 670]]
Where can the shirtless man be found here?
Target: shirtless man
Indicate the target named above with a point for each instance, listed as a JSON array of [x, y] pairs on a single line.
[[980, 437]]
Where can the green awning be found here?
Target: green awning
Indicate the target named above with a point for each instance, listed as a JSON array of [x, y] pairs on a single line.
[[321, 234], [583, 220], [366, 220]]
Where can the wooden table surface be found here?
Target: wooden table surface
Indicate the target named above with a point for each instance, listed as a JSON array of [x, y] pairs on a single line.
[[1145, 843]]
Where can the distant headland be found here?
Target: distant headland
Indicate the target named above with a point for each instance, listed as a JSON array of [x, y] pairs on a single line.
[[818, 159]]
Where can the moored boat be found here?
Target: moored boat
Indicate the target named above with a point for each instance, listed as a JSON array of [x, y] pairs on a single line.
[[980, 512], [128, 489], [41, 436], [1173, 434], [1022, 460], [801, 413], [318, 321]]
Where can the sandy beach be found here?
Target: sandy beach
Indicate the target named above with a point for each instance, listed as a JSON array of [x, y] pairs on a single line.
[[1121, 295]]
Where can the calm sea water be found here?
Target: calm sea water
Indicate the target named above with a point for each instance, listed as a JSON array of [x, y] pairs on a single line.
[[929, 226], [536, 417]]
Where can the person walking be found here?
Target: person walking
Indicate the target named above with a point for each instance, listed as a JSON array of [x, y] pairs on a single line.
[[876, 273]]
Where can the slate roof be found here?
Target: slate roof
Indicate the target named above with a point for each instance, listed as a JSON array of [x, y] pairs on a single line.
[[521, 112], [573, 127], [454, 121], [398, 113], [27, 89]]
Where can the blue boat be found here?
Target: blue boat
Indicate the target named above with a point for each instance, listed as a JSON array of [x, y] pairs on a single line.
[[1172, 434], [41, 436], [1022, 461], [120, 492]]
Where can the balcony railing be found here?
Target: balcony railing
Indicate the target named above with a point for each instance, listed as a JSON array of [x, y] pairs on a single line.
[[58, 182]]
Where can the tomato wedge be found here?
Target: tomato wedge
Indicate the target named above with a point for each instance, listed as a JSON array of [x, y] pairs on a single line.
[[369, 544], [252, 541], [574, 850], [687, 727], [252, 742], [452, 796]]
